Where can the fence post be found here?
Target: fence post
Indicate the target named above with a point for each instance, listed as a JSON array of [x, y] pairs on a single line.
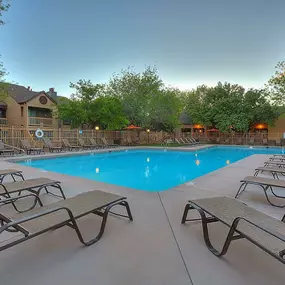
[[12, 130]]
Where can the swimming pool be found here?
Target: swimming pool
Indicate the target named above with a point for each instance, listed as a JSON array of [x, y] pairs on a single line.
[[144, 169]]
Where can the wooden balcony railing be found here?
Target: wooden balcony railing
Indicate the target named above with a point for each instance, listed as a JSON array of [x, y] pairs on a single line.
[[39, 121], [3, 121]]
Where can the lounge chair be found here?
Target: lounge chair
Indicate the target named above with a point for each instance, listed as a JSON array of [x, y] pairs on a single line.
[[194, 140], [189, 141], [95, 144], [183, 141], [104, 141], [12, 172], [277, 158], [265, 141], [239, 141], [84, 145], [6, 150], [68, 146], [278, 142], [243, 221], [266, 184], [29, 148], [51, 147], [251, 141], [63, 213], [35, 186], [273, 170], [277, 163]]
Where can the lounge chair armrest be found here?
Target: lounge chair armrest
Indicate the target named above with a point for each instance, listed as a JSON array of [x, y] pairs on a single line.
[[273, 233], [33, 217], [14, 199]]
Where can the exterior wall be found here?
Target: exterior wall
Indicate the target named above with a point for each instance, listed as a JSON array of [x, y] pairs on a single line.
[[13, 112], [277, 131], [49, 105]]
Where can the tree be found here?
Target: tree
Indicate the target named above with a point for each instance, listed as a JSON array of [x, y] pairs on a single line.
[[165, 110], [4, 6], [228, 107], [136, 90], [89, 107], [276, 84]]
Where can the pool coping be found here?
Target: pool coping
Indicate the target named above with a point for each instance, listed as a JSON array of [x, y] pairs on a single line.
[[99, 151]]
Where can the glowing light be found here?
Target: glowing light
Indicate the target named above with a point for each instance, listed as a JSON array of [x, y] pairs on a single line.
[[148, 130], [197, 162], [197, 126], [97, 170], [97, 128], [228, 162], [148, 159]]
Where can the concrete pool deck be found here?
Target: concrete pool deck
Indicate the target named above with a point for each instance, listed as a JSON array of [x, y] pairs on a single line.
[[155, 249]]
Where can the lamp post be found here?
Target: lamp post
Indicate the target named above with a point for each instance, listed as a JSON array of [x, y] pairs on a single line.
[[96, 129], [148, 130]]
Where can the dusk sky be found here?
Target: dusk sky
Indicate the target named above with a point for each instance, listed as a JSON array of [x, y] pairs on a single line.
[[49, 43]]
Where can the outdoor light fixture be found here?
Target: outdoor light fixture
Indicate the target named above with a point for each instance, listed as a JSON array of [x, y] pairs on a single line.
[[97, 128]]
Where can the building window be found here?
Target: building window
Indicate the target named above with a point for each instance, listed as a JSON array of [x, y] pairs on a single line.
[[2, 113], [22, 111]]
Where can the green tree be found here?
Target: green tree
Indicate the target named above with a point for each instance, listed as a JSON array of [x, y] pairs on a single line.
[[89, 107], [136, 90], [4, 6], [165, 110], [276, 84], [228, 107]]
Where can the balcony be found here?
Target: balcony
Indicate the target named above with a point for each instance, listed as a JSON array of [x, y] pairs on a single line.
[[3, 121], [40, 122]]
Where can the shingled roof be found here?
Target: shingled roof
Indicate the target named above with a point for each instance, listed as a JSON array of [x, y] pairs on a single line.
[[21, 94]]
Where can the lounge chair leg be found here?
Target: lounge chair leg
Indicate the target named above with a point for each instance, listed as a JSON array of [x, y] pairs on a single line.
[[267, 197], [185, 213], [57, 186], [104, 216], [240, 190], [230, 237]]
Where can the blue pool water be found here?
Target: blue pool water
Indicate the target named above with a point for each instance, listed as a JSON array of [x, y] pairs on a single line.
[[149, 170]]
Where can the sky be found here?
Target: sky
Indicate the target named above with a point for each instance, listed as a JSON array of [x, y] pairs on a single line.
[[50, 43]]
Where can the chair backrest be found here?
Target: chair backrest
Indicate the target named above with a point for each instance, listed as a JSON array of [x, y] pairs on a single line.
[[81, 142], [264, 140], [92, 141], [26, 144], [278, 141], [252, 140], [47, 142], [104, 141], [2, 146], [66, 142], [177, 141]]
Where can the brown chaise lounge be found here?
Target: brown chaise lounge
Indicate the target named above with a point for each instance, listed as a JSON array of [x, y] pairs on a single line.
[[84, 145], [275, 163], [56, 215], [29, 148], [243, 221], [12, 172], [68, 146], [51, 147], [277, 158], [35, 186], [95, 144], [266, 184], [104, 141], [273, 170]]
